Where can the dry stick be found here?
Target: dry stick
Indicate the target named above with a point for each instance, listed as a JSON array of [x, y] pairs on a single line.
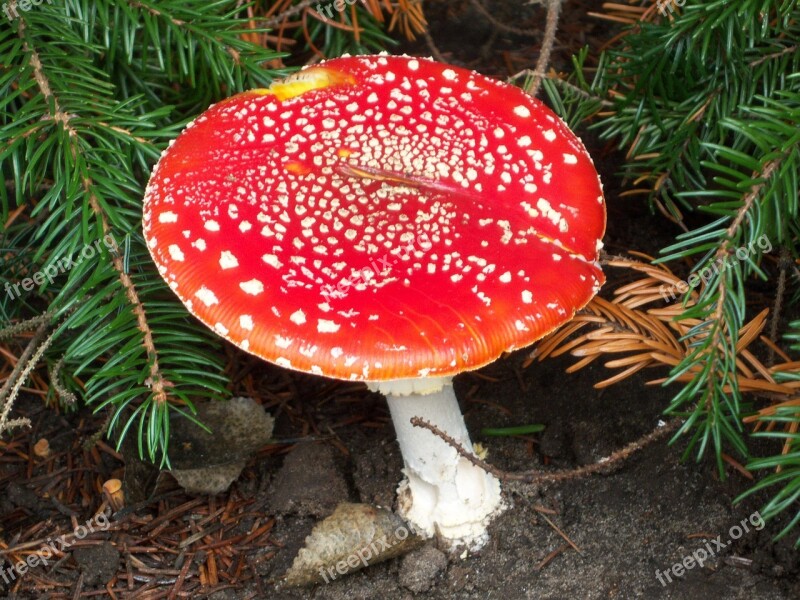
[[297, 8], [25, 326], [547, 559], [502, 26], [22, 369], [534, 475], [551, 25], [784, 264], [557, 529], [432, 46], [62, 392]]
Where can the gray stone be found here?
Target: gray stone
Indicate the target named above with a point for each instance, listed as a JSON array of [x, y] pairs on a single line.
[[420, 568], [310, 483], [207, 463]]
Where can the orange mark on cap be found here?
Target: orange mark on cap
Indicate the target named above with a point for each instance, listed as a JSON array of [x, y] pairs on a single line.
[[313, 78], [343, 152], [297, 168]]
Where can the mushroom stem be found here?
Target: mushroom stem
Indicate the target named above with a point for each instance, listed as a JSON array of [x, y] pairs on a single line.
[[443, 492]]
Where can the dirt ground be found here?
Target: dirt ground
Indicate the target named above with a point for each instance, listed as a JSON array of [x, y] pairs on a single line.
[[607, 535]]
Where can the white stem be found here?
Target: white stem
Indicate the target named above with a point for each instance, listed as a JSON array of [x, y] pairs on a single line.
[[443, 492]]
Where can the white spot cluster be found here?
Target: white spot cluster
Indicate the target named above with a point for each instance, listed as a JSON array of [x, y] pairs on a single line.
[[319, 220]]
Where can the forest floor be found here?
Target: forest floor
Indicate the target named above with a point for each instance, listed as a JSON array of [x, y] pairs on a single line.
[[601, 536]]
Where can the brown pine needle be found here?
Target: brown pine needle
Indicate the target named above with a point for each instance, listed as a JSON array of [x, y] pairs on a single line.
[[561, 533]]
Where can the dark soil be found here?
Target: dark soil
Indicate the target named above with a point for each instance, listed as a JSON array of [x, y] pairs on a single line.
[[649, 514]]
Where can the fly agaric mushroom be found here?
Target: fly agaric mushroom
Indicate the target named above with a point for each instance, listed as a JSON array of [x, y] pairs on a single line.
[[384, 219]]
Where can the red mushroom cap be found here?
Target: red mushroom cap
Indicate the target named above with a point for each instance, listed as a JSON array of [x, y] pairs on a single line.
[[378, 217]]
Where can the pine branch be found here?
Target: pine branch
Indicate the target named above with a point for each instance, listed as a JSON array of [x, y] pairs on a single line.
[[82, 130], [23, 368], [157, 382], [706, 108]]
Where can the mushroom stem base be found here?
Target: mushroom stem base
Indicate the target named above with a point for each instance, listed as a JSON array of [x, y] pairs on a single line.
[[443, 493]]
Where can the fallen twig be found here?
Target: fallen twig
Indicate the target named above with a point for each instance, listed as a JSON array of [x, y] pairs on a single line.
[[604, 465]]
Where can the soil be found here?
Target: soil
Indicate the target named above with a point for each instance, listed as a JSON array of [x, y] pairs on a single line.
[[602, 536]]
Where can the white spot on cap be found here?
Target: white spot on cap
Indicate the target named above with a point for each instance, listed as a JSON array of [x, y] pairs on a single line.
[[336, 352], [505, 277], [549, 135], [570, 159], [506, 227], [175, 252], [200, 244], [327, 326], [206, 296], [253, 287], [282, 342], [272, 261], [227, 260], [246, 322], [298, 317], [413, 64], [167, 217], [283, 362], [211, 225], [220, 329], [527, 297], [449, 74], [524, 141], [522, 111]]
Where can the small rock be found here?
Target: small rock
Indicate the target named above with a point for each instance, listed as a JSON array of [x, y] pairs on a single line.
[[99, 563], [209, 480], [310, 483], [420, 568], [590, 443], [207, 463], [554, 441]]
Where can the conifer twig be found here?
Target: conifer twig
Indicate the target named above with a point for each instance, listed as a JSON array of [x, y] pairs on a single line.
[[604, 465], [8, 393], [478, 4], [551, 26], [157, 382]]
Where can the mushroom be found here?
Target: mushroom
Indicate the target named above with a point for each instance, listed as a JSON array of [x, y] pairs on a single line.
[[384, 219]]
